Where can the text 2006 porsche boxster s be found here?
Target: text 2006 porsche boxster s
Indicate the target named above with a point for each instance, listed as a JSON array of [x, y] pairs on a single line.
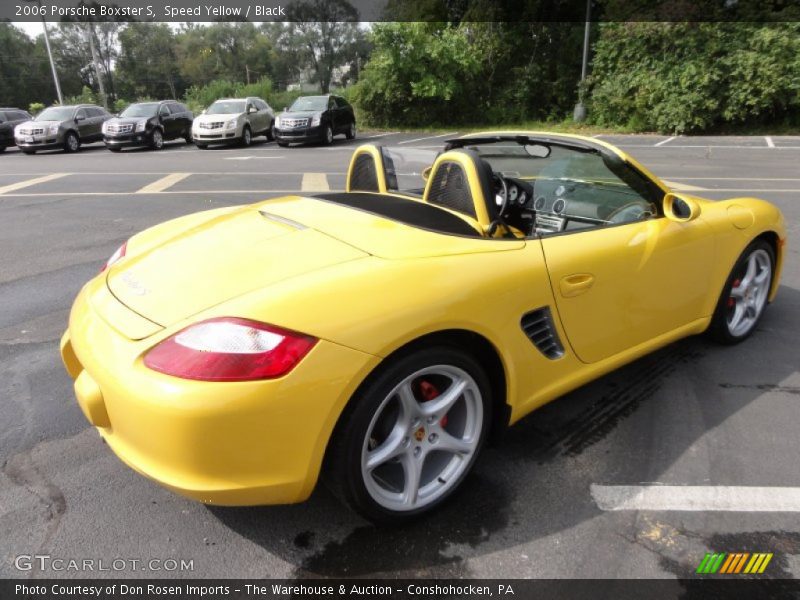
[[376, 336]]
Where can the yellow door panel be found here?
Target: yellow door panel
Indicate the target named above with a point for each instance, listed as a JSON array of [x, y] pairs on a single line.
[[617, 287]]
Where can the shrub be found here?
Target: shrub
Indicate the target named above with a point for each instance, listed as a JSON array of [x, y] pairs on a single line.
[[35, 108]]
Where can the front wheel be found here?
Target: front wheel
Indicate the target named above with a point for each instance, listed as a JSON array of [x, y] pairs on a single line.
[[283, 144], [71, 142], [202, 146], [247, 136], [29, 152], [745, 294], [328, 135], [411, 435], [156, 139]]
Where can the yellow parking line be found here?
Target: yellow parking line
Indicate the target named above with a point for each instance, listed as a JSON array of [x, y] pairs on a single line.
[[315, 182], [164, 183], [29, 182]]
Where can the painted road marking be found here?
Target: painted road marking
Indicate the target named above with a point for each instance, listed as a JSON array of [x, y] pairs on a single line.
[[623, 144], [166, 193], [769, 141], [315, 182], [682, 187], [163, 184], [250, 157], [721, 498], [663, 142], [430, 137], [29, 182]]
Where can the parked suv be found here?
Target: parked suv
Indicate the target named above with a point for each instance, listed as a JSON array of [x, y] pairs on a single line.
[[148, 124], [10, 118], [233, 120], [64, 127], [315, 119]]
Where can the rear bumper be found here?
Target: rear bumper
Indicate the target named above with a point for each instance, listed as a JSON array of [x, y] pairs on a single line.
[[245, 443]]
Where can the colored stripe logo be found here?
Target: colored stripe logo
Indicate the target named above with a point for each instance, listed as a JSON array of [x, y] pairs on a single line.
[[734, 563]]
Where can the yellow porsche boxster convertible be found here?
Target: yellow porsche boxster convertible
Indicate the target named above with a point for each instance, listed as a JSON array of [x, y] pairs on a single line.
[[375, 337]]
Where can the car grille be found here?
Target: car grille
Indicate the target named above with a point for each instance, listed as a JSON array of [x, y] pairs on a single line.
[[292, 123], [538, 326], [214, 125], [119, 128], [38, 131]]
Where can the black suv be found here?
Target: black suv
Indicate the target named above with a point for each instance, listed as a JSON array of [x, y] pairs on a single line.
[[315, 119], [10, 118], [148, 124]]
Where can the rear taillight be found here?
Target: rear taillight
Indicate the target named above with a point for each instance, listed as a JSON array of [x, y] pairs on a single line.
[[229, 349], [119, 253]]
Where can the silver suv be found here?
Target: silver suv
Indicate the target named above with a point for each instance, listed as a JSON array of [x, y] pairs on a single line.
[[64, 127], [233, 120]]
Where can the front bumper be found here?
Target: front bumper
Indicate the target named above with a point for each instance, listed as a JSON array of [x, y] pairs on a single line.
[[216, 136], [305, 134], [244, 443], [127, 140], [40, 143]]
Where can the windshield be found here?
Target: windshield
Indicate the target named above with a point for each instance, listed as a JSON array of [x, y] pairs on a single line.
[[141, 110], [310, 103], [226, 107], [55, 113]]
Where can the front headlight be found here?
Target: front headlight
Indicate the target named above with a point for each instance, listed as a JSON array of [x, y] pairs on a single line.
[[105, 126], [52, 130], [316, 119], [141, 125], [231, 124], [277, 121]]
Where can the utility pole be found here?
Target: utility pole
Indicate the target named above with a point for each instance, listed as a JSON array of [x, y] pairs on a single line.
[[96, 62], [247, 70], [50, 54], [580, 110]]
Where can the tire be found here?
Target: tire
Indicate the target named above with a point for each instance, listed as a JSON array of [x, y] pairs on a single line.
[[247, 136], [271, 132], [745, 295], [71, 142], [413, 434], [156, 139], [351, 131], [29, 152], [202, 146], [283, 144], [114, 149], [2, 149], [328, 137], [188, 137]]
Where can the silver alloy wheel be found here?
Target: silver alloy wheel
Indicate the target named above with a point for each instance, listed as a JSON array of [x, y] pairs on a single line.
[[416, 450], [158, 139], [352, 131], [328, 135], [72, 142], [748, 295], [246, 136]]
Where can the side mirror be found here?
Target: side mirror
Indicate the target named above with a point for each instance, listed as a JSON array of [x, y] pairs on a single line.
[[252, 109], [203, 111], [285, 108], [681, 209], [80, 118], [426, 172]]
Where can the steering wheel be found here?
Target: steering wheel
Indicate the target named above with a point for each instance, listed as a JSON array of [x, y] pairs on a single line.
[[501, 195]]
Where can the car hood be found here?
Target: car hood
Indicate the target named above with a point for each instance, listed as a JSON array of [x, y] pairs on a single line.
[[181, 268], [33, 124], [300, 114], [216, 118]]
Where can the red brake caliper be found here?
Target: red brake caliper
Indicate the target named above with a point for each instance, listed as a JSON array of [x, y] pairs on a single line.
[[429, 392], [731, 301]]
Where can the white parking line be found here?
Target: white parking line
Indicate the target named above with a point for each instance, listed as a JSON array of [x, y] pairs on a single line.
[[167, 193], [29, 182], [696, 498], [315, 182], [662, 142], [770, 143], [430, 137], [163, 184]]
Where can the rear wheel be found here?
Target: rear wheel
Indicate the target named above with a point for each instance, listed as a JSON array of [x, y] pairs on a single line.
[[745, 294], [188, 137], [411, 435], [351, 131], [2, 149], [71, 142], [271, 131]]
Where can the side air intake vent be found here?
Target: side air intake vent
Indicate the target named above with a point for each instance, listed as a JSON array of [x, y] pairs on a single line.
[[364, 177], [538, 326]]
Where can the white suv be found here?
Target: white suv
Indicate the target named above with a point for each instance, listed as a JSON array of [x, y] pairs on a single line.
[[233, 120]]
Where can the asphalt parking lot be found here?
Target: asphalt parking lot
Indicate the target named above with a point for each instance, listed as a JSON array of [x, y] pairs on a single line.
[[544, 503]]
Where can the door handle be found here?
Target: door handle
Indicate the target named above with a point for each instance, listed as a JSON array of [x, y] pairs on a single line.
[[574, 285]]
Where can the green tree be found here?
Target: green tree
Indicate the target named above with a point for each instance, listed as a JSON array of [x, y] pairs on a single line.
[[24, 69], [147, 64]]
